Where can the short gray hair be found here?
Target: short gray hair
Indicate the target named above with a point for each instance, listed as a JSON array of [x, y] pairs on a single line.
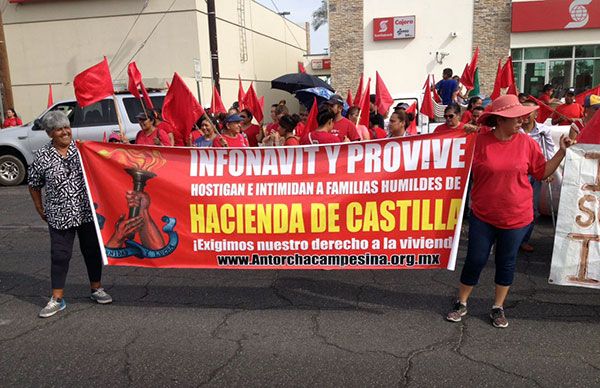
[[55, 120]]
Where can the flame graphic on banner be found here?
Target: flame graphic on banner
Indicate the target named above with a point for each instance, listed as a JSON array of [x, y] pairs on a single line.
[[140, 159]]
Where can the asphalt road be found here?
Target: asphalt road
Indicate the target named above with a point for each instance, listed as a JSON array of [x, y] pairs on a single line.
[[170, 327]]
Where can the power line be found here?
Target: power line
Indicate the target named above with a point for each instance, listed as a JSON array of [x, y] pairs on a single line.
[[143, 44], [285, 23], [129, 32]]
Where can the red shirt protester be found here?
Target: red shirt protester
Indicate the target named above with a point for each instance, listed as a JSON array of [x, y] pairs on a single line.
[[168, 128], [444, 127], [545, 98], [143, 138], [273, 127], [292, 141], [378, 133], [495, 176], [466, 117], [12, 122], [319, 137], [345, 128], [239, 141], [251, 133], [573, 111]]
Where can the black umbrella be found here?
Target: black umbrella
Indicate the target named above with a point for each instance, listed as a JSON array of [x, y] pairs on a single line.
[[296, 81]]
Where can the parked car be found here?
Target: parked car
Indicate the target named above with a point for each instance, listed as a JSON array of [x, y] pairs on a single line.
[[18, 144]]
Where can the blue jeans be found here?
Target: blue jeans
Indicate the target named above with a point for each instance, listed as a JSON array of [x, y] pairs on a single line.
[[537, 191], [481, 238]]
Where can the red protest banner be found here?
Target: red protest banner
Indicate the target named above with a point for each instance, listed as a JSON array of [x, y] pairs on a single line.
[[384, 204]]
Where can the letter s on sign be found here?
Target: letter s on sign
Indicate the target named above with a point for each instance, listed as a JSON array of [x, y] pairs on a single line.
[[383, 26]]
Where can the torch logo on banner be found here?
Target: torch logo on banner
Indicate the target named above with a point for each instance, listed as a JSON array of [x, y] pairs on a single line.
[[141, 166], [383, 26], [579, 13]]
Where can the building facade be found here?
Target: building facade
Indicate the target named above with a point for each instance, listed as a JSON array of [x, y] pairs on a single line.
[[554, 42], [50, 41]]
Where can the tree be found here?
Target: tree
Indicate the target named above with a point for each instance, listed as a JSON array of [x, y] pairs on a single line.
[[319, 16]]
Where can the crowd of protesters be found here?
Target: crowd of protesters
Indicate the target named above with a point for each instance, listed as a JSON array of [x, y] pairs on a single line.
[[513, 155]]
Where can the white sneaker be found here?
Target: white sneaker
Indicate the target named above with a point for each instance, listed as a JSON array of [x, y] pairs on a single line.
[[101, 296], [52, 308]]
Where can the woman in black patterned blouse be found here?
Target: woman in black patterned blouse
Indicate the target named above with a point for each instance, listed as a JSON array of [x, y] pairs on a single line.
[[66, 209]]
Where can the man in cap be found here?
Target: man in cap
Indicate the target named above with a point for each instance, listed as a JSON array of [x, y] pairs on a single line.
[[342, 127], [569, 110]]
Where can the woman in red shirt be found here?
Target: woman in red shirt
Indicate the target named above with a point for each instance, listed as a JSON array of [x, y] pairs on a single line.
[[253, 132], [231, 135], [287, 124], [149, 134], [474, 102], [501, 199], [322, 135], [12, 120]]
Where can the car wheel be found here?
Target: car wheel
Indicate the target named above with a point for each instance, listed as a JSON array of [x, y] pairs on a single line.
[[12, 170]]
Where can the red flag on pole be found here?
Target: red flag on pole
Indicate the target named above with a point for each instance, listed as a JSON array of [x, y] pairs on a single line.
[[181, 108], [590, 134], [135, 79], [497, 82], [252, 103], [427, 105], [311, 121], [216, 105], [544, 112], [580, 98], [241, 93], [508, 74], [365, 106], [50, 98], [349, 98], [383, 98], [93, 84], [436, 96], [466, 79], [301, 68], [359, 92], [147, 100], [412, 128]]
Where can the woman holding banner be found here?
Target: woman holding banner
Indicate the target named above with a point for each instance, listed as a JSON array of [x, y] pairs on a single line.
[[66, 209], [231, 135], [501, 200]]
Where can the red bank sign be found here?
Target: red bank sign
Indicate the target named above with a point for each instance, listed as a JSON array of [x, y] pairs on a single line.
[[555, 15], [399, 27]]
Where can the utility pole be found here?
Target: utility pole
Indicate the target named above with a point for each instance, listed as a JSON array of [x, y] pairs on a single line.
[[212, 36], [6, 86]]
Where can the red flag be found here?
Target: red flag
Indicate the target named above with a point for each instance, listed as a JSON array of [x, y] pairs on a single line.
[[216, 105], [508, 74], [50, 98], [436, 96], [365, 106], [349, 98], [181, 108], [497, 82], [135, 79], [544, 112], [241, 94], [383, 98], [311, 121], [466, 79], [252, 103], [427, 105], [261, 101], [301, 68], [590, 134], [93, 84], [580, 98], [147, 100], [359, 93], [412, 128]]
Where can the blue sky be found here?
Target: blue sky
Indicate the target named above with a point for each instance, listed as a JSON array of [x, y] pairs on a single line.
[[300, 12]]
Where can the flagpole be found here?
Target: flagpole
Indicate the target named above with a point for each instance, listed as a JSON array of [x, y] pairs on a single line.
[[118, 112]]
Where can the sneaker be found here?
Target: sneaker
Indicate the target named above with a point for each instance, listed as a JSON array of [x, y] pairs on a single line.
[[459, 311], [498, 318], [101, 296], [52, 308]]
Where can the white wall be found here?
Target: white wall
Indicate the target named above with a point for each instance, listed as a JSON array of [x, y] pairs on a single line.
[[404, 64]]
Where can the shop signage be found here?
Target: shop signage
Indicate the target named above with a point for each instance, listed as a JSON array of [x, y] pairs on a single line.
[[552, 15], [320, 64], [399, 27]]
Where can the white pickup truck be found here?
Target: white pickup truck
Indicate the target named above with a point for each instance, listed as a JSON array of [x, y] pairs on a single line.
[[17, 144]]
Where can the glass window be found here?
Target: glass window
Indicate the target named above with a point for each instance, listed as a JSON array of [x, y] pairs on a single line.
[[590, 51], [67, 108], [536, 53], [517, 54], [587, 74], [100, 113], [535, 78], [560, 76], [134, 107], [560, 52], [518, 68]]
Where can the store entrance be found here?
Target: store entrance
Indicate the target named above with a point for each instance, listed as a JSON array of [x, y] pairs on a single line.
[[534, 77]]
